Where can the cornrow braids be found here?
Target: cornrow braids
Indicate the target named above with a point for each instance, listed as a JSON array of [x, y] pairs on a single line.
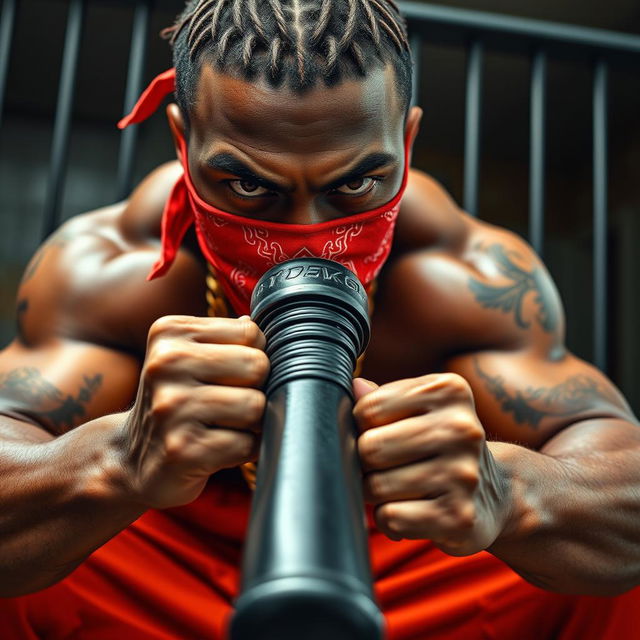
[[294, 43]]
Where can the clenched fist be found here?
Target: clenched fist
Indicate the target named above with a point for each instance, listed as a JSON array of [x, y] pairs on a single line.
[[199, 406], [427, 467]]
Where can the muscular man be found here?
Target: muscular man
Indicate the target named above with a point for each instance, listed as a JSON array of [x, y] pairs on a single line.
[[126, 410]]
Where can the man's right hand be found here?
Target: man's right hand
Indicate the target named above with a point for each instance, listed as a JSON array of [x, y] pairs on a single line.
[[199, 406]]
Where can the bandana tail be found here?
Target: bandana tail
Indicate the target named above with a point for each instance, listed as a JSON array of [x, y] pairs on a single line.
[[151, 98], [177, 217]]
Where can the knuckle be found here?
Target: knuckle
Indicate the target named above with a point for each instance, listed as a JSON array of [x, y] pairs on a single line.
[[468, 474], [164, 324], [164, 354], [250, 332], [456, 385], [421, 390], [368, 408], [370, 447], [462, 515], [256, 402], [466, 516], [176, 444], [258, 365], [166, 400], [439, 388], [246, 445], [475, 433], [464, 425], [388, 518], [376, 486]]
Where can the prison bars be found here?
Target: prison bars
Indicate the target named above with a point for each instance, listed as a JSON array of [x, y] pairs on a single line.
[[135, 75], [476, 31], [7, 18], [61, 127]]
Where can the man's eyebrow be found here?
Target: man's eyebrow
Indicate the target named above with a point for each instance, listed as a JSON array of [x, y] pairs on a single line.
[[369, 163], [229, 163]]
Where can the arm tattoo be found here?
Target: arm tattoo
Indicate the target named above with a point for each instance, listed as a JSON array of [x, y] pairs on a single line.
[[509, 298], [44, 400], [576, 394]]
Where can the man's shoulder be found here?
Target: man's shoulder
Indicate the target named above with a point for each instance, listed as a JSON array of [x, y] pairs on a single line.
[[470, 283], [428, 215], [89, 279], [141, 218]]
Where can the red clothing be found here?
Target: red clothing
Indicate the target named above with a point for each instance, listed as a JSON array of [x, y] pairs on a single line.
[[173, 574]]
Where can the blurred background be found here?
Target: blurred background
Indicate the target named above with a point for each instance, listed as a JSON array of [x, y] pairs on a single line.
[[32, 42]]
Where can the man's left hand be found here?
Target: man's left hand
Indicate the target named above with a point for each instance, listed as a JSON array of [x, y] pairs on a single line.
[[427, 466]]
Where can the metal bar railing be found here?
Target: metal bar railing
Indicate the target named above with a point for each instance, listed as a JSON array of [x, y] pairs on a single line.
[[472, 136], [444, 25], [600, 214], [61, 130], [511, 29], [7, 19], [537, 144], [477, 30], [135, 76]]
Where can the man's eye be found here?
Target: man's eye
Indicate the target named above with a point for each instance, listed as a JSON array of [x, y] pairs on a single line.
[[247, 188], [357, 187]]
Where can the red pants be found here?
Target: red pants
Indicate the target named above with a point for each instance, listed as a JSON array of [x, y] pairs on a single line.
[[174, 575]]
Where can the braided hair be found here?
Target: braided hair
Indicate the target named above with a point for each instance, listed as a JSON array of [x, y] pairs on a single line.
[[295, 43]]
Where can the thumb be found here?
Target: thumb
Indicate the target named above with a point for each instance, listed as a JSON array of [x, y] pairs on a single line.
[[362, 386]]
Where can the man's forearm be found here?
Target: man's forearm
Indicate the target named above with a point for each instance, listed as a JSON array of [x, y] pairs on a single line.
[[574, 512], [60, 500]]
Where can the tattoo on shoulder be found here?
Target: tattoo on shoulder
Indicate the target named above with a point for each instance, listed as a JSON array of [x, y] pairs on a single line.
[[509, 298], [45, 401], [531, 406], [58, 239]]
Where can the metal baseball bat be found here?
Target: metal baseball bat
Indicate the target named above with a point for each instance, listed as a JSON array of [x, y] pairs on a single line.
[[306, 572]]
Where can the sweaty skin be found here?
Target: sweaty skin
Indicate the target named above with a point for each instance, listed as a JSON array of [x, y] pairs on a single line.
[[478, 429]]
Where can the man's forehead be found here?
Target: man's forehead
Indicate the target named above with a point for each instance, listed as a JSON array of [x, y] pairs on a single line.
[[275, 118]]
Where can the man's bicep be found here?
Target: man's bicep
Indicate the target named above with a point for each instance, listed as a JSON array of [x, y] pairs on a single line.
[[525, 398], [62, 383]]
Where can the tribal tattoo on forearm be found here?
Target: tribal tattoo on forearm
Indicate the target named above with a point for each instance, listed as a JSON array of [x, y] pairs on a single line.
[[573, 396], [509, 298], [43, 400]]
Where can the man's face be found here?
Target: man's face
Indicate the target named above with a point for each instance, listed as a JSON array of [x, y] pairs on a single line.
[[270, 154]]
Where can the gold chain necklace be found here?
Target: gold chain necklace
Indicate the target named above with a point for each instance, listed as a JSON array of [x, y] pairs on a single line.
[[218, 307]]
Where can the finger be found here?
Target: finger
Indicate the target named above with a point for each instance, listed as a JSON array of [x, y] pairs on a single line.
[[419, 480], [420, 437], [206, 451], [211, 406], [404, 398], [231, 365], [445, 520], [362, 386], [232, 447], [225, 364], [241, 331], [427, 479]]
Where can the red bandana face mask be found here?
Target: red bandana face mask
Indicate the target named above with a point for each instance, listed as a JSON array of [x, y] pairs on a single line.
[[242, 249]]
